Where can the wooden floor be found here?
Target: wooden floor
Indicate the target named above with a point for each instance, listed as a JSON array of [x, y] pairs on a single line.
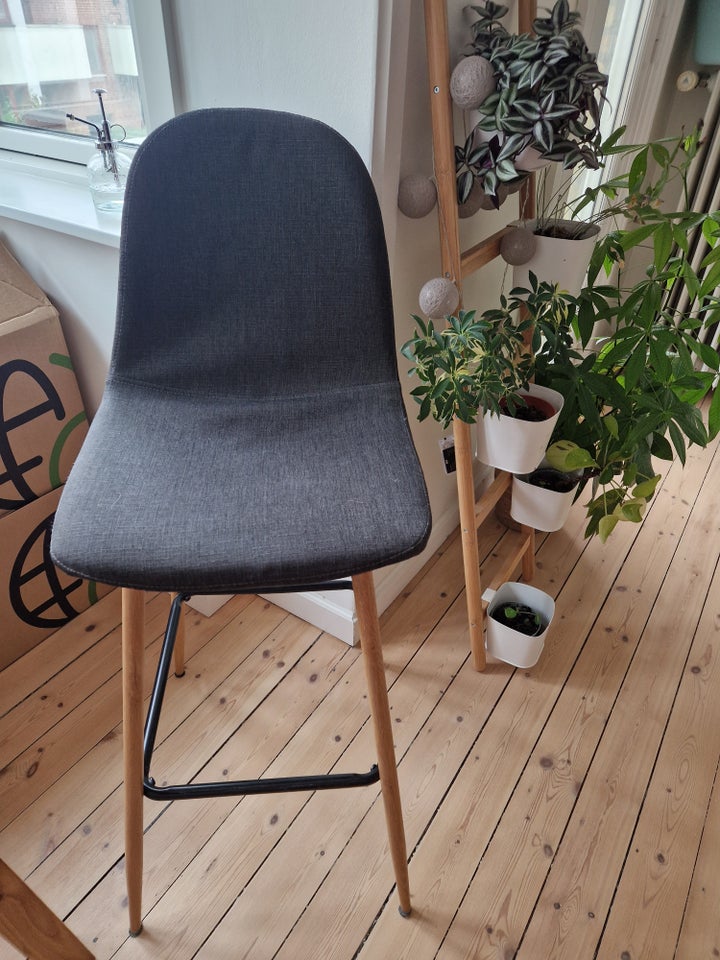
[[568, 811]]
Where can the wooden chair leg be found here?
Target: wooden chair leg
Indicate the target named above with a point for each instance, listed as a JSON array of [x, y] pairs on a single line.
[[364, 590], [31, 926], [179, 650], [133, 649]]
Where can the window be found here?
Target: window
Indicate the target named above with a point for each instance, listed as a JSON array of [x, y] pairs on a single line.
[[52, 57], [635, 51]]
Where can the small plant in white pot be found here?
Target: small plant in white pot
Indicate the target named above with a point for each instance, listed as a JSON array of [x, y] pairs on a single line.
[[517, 622], [515, 438], [477, 369], [542, 498], [475, 361]]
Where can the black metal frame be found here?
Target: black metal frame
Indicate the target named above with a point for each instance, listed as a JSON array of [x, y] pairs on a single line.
[[231, 788]]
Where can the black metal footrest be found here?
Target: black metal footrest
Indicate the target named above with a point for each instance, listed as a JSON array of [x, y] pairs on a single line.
[[224, 788], [233, 788]]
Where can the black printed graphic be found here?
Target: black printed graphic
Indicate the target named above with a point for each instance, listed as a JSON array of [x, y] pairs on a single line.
[[12, 471], [25, 572]]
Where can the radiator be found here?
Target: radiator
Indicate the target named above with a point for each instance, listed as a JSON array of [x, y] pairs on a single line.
[[704, 195]]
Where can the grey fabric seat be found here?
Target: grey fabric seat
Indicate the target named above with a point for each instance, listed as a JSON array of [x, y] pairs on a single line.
[[252, 434]]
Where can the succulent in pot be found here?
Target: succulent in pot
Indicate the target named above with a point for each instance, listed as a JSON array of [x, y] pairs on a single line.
[[546, 102]]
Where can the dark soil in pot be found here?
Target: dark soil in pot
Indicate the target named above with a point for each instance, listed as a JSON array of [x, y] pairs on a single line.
[[519, 617], [564, 231], [550, 479], [533, 410]]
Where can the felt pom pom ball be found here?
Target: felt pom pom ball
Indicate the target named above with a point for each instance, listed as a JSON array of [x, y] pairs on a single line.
[[417, 195], [439, 298], [477, 200], [518, 246], [472, 82]]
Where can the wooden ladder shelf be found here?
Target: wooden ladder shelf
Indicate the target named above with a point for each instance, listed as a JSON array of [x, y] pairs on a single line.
[[457, 265]]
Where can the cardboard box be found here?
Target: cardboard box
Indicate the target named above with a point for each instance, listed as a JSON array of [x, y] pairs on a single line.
[[42, 421], [36, 598]]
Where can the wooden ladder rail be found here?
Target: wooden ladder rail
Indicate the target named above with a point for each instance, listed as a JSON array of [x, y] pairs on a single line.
[[455, 266]]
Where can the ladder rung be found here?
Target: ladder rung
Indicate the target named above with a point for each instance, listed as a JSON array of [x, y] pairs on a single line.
[[489, 499], [482, 253]]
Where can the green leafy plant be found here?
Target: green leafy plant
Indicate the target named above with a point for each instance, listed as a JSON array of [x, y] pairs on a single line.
[[634, 194], [519, 617], [475, 361], [548, 97], [633, 399]]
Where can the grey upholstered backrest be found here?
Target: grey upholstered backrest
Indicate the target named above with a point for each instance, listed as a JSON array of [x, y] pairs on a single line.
[[253, 260]]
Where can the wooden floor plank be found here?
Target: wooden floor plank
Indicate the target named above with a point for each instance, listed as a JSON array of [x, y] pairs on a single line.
[[23, 677], [700, 932], [491, 920], [584, 872], [650, 903]]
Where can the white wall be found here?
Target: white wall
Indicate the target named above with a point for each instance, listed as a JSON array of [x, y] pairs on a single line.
[[315, 58]]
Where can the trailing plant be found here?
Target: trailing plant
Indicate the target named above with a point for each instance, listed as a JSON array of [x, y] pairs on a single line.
[[548, 98]]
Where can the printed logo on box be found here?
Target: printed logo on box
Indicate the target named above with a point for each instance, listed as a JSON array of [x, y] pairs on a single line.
[[40, 577], [14, 472]]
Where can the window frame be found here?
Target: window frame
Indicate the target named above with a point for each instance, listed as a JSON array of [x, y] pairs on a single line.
[[150, 35]]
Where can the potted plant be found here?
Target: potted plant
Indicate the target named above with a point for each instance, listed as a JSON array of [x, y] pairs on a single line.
[[474, 362], [538, 99], [542, 498], [557, 244], [515, 438], [478, 367], [631, 397], [517, 622]]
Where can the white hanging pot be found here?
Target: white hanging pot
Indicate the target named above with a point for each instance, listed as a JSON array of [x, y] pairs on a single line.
[[515, 445], [538, 506], [510, 645], [561, 260]]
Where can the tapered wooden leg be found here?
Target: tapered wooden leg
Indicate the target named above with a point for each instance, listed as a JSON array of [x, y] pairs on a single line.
[[366, 606], [468, 528], [133, 623], [179, 649]]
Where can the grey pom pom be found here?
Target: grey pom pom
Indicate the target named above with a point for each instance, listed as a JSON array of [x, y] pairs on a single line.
[[472, 82], [518, 246], [439, 298], [417, 195]]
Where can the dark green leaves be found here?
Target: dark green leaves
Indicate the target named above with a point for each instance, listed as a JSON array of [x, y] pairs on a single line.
[[549, 92]]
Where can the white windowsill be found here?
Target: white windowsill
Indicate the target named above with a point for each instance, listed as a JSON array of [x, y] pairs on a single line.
[[53, 195]]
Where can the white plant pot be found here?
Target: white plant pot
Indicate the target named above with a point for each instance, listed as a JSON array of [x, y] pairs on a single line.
[[555, 260], [538, 507], [515, 445], [506, 644]]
